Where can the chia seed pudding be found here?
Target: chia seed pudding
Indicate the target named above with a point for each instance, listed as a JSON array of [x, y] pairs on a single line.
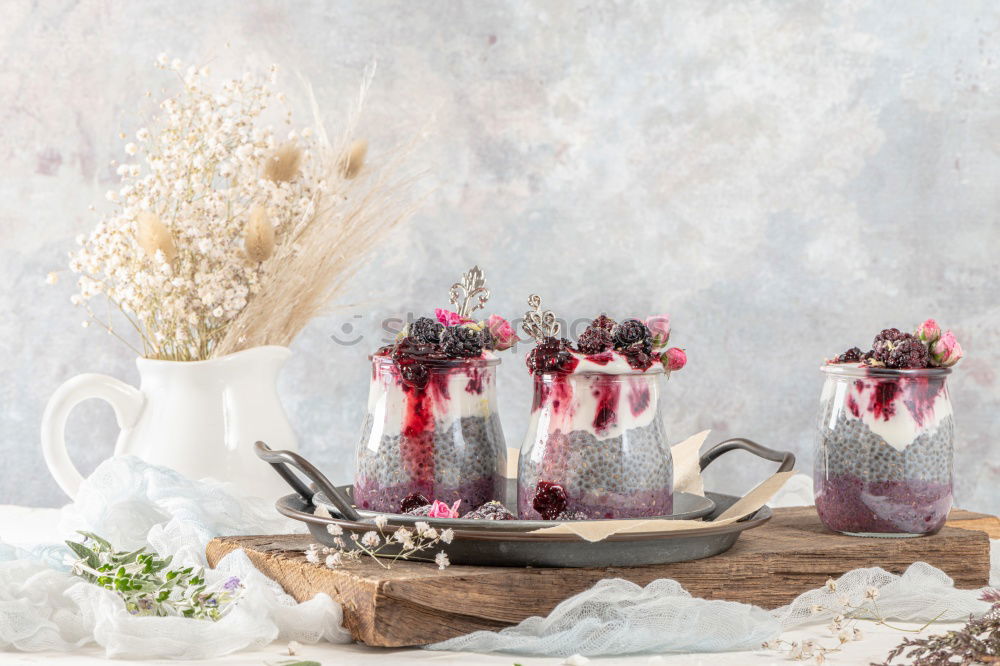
[[431, 427], [885, 446], [596, 446]]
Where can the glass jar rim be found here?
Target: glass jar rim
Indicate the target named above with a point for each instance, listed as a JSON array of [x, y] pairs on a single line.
[[652, 371], [444, 363], [860, 370]]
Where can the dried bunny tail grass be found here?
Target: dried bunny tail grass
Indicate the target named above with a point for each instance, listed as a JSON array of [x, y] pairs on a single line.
[[352, 162], [316, 258], [258, 236], [152, 236], [283, 165]]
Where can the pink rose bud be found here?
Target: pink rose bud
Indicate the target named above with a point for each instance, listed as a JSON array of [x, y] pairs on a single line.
[[449, 318], [929, 331], [503, 333], [674, 359], [441, 510], [659, 326], [946, 352]]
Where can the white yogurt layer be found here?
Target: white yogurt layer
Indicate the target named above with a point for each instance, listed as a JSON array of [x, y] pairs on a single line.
[[580, 398], [388, 402], [901, 428]]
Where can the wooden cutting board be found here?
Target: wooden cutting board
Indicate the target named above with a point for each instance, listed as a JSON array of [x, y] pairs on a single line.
[[415, 603]]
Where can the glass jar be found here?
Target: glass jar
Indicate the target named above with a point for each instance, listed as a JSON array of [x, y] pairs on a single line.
[[435, 432], [884, 452], [601, 438]]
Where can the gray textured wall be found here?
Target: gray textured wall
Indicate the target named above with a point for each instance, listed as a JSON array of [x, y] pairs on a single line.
[[785, 178]]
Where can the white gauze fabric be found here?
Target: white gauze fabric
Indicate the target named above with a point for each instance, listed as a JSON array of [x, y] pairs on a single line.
[[134, 504], [616, 617]]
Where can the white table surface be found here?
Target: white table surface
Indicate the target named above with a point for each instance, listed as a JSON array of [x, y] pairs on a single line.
[[22, 525]]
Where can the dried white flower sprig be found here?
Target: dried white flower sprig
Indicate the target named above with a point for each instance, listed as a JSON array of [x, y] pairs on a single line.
[[373, 543], [226, 233], [843, 625]]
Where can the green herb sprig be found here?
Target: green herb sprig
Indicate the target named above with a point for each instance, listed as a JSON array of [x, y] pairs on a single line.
[[148, 586]]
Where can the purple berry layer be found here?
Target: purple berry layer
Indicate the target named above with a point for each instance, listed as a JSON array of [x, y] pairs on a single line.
[[864, 485]]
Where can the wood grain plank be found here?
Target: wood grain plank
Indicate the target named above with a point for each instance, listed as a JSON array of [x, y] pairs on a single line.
[[415, 603]]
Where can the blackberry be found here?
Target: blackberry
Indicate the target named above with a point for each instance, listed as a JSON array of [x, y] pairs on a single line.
[[413, 501], [550, 500], [424, 510], [426, 330], [638, 355], [461, 342], [852, 355], [908, 353], [894, 349], [605, 322], [407, 355], [492, 510], [594, 340], [551, 355], [630, 332]]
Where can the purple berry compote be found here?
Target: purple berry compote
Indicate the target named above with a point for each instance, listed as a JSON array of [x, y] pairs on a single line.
[[885, 447], [596, 446], [432, 429]]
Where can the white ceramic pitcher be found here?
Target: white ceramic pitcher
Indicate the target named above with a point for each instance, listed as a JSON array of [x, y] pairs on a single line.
[[200, 418]]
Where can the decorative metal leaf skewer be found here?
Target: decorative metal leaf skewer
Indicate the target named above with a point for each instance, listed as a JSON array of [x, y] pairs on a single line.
[[471, 288], [538, 323]]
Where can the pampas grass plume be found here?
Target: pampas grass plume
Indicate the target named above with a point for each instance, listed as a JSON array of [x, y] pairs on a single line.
[[258, 236]]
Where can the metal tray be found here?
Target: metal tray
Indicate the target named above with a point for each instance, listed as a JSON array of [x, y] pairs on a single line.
[[483, 543], [687, 506]]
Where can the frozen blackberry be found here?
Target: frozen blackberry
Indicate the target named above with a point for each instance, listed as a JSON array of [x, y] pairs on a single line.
[[908, 353], [572, 515], [605, 322], [894, 349], [492, 510], [426, 330], [852, 355], [630, 332], [424, 510], [594, 340], [461, 342], [413, 501], [551, 355], [639, 355], [550, 500]]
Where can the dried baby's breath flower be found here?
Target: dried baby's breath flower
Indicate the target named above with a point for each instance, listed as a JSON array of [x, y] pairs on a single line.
[[441, 559], [153, 236], [354, 159], [258, 238], [203, 164], [283, 165]]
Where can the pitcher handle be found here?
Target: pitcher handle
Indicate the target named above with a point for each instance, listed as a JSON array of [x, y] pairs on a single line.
[[125, 400]]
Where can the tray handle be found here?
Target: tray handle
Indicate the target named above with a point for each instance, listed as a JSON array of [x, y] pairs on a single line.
[[280, 460], [786, 458]]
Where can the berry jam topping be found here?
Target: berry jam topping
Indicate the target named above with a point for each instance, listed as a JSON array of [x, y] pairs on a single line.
[[594, 340], [550, 500], [413, 501], [551, 355], [426, 330], [461, 342], [492, 510]]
